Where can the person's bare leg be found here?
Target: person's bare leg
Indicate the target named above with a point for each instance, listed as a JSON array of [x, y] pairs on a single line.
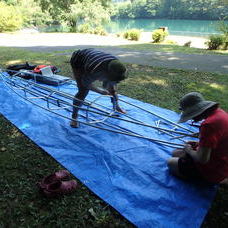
[[79, 97], [74, 123], [173, 167], [114, 100], [178, 153]]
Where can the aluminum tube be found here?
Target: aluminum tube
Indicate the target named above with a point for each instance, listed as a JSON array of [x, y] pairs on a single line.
[[107, 114], [178, 125], [125, 133], [119, 118]]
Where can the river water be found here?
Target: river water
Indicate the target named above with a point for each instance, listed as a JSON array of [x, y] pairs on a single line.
[[175, 27]]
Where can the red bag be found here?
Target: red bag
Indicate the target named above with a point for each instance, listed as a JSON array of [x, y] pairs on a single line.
[[37, 69]]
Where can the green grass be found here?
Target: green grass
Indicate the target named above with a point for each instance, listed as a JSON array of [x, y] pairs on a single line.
[[22, 163], [172, 48]]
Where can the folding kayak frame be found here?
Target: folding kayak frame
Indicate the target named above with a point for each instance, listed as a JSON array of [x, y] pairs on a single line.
[[33, 91]]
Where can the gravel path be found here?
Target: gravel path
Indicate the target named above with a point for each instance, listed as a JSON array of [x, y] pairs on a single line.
[[48, 42]]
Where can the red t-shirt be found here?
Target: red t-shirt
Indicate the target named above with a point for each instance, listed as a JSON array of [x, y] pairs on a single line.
[[214, 135]]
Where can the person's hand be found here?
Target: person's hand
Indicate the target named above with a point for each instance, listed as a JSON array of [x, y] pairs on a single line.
[[193, 144], [187, 148], [105, 92], [195, 135]]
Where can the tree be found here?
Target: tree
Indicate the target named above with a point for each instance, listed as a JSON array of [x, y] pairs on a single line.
[[10, 18], [106, 3], [33, 16], [88, 12]]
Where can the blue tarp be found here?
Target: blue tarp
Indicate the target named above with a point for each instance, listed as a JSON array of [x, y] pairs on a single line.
[[128, 173]]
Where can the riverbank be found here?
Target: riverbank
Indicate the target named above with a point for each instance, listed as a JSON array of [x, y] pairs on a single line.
[[196, 42], [31, 39]]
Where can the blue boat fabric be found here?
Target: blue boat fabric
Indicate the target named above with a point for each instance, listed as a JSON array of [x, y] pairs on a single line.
[[128, 173]]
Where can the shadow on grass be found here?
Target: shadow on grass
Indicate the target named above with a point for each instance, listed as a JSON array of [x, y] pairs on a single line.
[[164, 87]]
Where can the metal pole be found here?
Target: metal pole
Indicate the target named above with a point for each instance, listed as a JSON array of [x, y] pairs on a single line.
[[108, 114], [175, 124], [115, 131]]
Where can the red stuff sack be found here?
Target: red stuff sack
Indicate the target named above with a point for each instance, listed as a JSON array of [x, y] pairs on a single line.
[[37, 69]]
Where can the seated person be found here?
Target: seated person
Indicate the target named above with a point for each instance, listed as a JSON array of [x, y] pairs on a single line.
[[207, 159]]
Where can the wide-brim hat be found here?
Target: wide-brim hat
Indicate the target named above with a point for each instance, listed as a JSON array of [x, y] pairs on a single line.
[[192, 105], [116, 71]]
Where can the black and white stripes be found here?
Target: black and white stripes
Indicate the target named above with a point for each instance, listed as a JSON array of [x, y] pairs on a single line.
[[89, 59]]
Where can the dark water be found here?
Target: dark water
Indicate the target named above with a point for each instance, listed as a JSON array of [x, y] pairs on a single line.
[[175, 27]]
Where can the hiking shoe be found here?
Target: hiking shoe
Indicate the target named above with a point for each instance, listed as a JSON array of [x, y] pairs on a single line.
[[59, 175], [74, 124], [59, 188]]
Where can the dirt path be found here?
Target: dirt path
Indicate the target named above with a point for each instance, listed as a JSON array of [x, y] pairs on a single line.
[[48, 42]]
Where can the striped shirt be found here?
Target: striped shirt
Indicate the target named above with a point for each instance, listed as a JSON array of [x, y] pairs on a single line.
[[89, 59]]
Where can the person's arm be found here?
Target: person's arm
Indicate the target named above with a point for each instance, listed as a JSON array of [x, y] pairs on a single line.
[[98, 90], [88, 81], [113, 93], [201, 155]]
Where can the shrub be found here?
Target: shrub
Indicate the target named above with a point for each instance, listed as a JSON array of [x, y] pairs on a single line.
[[100, 31], [125, 35], [225, 42], [223, 28], [84, 28], [10, 18], [215, 41], [225, 45], [188, 44], [87, 28], [119, 34], [132, 34], [33, 16], [159, 35]]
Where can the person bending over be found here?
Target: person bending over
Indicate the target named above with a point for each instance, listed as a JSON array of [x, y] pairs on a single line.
[[206, 159], [90, 65]]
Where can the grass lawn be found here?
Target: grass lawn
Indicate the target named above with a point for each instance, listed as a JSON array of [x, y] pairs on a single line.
[[22, 163], [173, 48]]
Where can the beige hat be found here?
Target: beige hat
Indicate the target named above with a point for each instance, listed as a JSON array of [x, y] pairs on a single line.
[[192, 105]]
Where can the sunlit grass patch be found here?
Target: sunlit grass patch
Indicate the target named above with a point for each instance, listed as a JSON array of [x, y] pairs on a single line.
[[171, 48], [217, 86]]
